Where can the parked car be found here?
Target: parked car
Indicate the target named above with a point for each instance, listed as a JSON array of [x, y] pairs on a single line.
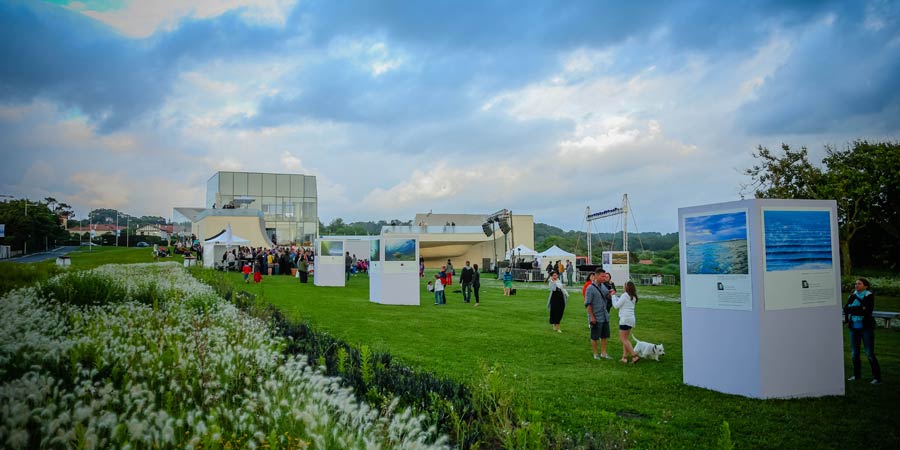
[[90, 244], [142, 244]]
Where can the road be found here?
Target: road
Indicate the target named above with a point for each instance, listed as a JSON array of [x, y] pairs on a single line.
[[38, 257]]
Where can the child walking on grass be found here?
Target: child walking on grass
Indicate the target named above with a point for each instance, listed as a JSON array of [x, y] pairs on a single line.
[[439, 298]]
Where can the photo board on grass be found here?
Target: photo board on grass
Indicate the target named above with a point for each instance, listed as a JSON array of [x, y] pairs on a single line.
[[397, 282], [329, 263], [760, 306]]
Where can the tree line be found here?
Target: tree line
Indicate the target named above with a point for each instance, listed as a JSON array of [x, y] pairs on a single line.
[[864, 179]]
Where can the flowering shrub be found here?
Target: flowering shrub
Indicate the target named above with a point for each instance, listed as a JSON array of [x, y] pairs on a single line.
[[168, 364]]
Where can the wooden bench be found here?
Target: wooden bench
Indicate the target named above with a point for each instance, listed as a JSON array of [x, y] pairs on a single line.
[[887, 316]]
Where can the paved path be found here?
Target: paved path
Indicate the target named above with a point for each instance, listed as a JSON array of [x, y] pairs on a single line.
[[38, 257]]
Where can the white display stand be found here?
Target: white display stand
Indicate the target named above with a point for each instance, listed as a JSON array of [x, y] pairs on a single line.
[[616, 263], [375, 271], [329, 263], [761, 298], [395, 280]]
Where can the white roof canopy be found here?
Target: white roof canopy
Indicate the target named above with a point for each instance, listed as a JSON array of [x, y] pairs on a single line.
[[556, 253], [226, 237], [521, 250]]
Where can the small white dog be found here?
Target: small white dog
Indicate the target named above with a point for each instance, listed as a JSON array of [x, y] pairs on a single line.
[[648, 350]]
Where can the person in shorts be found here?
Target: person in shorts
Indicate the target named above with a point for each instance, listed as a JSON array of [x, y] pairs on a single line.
[[595, 300], [625, 304]]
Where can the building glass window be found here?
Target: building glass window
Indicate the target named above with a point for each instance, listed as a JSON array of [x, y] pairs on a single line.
[[226, 183], [283, 185], [269, 189], [309, 188], [240, 183], [254, 184], [297, 185]]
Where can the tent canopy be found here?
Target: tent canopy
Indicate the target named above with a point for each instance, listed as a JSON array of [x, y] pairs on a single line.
[[521, 250], [226, 237], [557, 253]]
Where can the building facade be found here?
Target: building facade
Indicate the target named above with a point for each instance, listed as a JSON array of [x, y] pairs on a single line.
[[288, 202]]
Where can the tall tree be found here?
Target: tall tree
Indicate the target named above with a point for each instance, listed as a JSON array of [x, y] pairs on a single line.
[[864, 179]]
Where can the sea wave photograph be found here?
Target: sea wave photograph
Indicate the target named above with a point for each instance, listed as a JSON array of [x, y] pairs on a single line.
[[716, 244], [797, 240], [400, 250]]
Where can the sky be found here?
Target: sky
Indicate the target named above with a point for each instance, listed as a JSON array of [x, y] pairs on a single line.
[[398, 108], [716, 227]]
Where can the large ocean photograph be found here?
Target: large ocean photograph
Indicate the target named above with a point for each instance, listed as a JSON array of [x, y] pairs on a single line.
[[716, 244], [797, 240]]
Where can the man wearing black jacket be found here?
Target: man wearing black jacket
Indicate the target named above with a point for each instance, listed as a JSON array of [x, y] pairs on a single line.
[[465, 279]]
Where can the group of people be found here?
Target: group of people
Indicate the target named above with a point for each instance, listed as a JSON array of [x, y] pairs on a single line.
[[469, 280], [559, 268], [599, 298], [354, 265], [275, 261]]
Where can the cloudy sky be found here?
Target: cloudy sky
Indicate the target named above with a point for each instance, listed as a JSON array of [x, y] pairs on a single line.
[[542, 107]]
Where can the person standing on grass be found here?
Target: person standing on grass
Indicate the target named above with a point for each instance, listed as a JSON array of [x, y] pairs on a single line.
[[348, 263], [507, 282], [257, 274], [476, 283], [449, 278], [584, 288], [858, 315], [556, 302], [439, 298], [246, 271], [625, 304], [570, 270], [465, 280], [598, 296], [421, 267]]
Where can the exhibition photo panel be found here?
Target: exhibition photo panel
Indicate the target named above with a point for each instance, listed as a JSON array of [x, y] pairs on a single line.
[[401, 255], [800, 257], [716, 255]]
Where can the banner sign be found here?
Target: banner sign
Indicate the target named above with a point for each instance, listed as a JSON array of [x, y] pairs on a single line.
[[2, 230]]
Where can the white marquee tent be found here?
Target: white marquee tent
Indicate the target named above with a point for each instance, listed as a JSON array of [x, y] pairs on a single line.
[[521, 251], [555, 253], [214, 248]]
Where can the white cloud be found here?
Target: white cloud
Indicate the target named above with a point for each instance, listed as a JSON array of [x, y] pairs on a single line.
[[142, 18], [371, 54], [291, 162]]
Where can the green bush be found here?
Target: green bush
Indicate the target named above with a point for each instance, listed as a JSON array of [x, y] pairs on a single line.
[[82, 288], [889, 286], [16, 275]]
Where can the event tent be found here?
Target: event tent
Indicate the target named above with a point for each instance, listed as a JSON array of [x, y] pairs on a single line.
[[521, 251], [214, 248], [555, 253]]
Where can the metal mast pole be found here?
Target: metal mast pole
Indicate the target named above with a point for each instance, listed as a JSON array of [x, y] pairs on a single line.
[[587, 224], [625, 224]]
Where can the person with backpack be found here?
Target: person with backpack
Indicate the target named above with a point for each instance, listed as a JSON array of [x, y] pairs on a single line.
[[597, 301]]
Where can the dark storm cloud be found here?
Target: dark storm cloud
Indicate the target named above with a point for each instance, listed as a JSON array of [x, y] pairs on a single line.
[[456, 55], [842, 77], [54, 53]]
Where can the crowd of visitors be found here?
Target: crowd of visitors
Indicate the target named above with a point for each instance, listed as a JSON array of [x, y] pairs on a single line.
[[258, 261]]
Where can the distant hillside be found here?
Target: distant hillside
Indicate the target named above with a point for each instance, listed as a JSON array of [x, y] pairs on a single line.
[[545, 236]]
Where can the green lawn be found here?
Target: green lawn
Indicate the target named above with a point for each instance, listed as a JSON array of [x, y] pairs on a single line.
[[640, 406], [643, 405]]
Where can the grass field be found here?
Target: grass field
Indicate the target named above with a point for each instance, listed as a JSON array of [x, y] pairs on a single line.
[[635, 406], [643, 405]]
